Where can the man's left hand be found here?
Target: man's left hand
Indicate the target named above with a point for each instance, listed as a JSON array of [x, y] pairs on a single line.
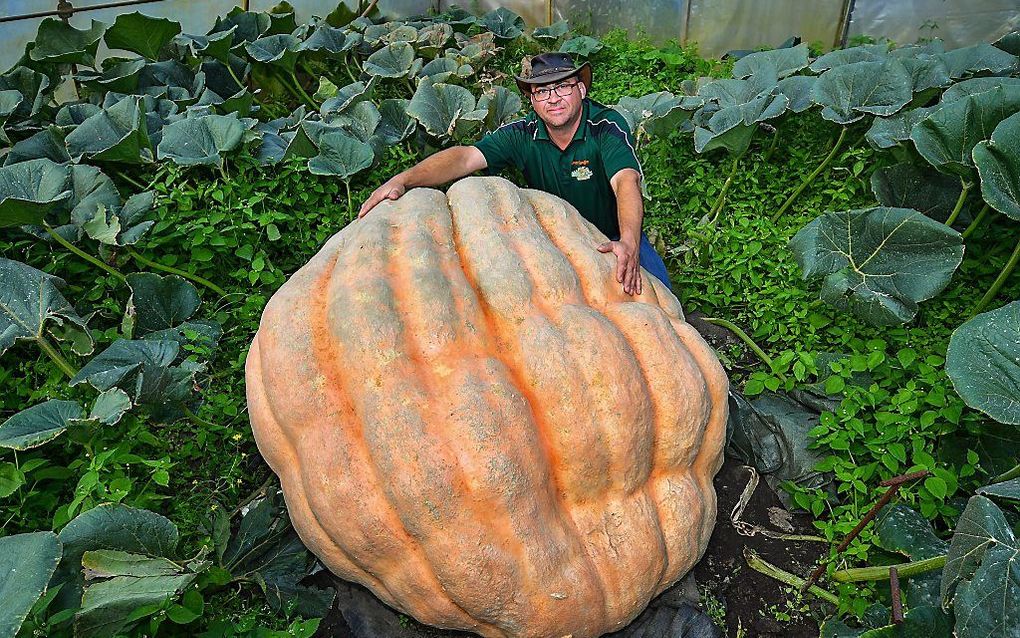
[[628, 264]]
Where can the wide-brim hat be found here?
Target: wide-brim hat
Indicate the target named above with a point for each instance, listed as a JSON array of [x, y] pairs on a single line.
[[551, 67]]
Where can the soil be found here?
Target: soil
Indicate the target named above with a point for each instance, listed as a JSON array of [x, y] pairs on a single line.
[[755, 605]]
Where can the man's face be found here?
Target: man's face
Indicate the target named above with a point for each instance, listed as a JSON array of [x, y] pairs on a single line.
[[559, 103]]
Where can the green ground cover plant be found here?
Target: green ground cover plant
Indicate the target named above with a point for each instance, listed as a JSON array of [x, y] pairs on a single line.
[[146, 223]]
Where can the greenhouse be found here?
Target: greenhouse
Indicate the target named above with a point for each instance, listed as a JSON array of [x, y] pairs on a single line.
[[524, 319]]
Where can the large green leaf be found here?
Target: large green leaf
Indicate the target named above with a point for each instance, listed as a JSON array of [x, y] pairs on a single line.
[[972, 86], [327, 40], [161, 302], [901, 529], [215, 45], [28, 190], [432, 39], [983, 569], [947, 137], [922, 188], [279, 50], [655, 113], [47, 143], [116, 134], [109, 526], [927, 68], [888, 132], [391, 61], [347, 96], [850, 55], [27, 562], [581, 46], [777, 62], [130, 582], [878, 263], [998, 164], [141, 34], [126, 360], [977, 58], [29, 298], [798, 90], [438, 107], [201, 140], [359, 120], [504, 23], [121, 77], [91, 191], [848, 92], [501, 105], [1004, 489], [38, 424], [341, 155], [34, 87], [247, 26], [554, 31], [110, 406], [983, 362], [395, 124], [1010, 43], [57, 42], [742, 104]]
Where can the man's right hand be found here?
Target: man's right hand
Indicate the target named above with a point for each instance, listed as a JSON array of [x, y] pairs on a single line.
[[392, 189]]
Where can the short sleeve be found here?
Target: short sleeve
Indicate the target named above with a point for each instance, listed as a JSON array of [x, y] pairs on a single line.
[[502, 147], [617, 146]]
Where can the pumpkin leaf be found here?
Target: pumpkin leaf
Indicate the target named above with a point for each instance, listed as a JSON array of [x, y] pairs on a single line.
[[582, 46], [122, 77], [395, 125], [341, 155], [216, 45], [115, 134], [433, 38], [360, 121], [57, 42], [1010, 43], [504, 23], [982, 362], [554, 31], [126, 360], [348, 96], [878, 263], [191, 335], [29, 298], [161, 302], [888, 132], [440, 69], [32, 85], [848, 92], [798, 90], [947, 137], [742, 104], [47, 143], [202, 140], [91, 191], [1005, 489], [141, 34], [391, 61], [438, 107], [110, 406], [278, 50], [901, 529], [247, 26], [501, 105], [976, 59], [998, 166], [777, 62], [326, 39], [28, 190], [910, 185], [72, 114], [38, 424], [27, 562], [973, 86], [983, 570], [850, 55]]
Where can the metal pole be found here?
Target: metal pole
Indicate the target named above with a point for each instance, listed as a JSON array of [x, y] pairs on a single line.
[[62, 11], [548, 12], [844, 24], [687, 24]]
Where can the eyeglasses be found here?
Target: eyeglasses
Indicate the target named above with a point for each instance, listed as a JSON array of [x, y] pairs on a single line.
[[562, 90]]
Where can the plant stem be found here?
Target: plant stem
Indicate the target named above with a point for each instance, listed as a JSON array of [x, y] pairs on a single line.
[[718, 206], [1007, 475], [813, 175], [84, 255], [304, 94], [735, 329], [347, 67], [54, 354], [772, 146], [197, 420], [350, 205], [170, 269], [756, 563], [977, 221], [959, 202], [233, 74], [126, 178], [904, 570], [999, 281]]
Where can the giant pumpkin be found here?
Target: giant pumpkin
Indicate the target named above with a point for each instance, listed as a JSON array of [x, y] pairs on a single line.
[[471, 418]]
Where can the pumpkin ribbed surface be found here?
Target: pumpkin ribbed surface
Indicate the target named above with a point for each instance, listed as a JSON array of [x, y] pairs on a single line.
[[471, 418]]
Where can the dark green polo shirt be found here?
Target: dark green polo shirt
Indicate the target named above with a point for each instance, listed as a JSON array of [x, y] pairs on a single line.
[[580, 174]]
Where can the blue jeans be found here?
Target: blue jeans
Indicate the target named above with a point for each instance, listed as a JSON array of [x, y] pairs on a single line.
[[651, 261]]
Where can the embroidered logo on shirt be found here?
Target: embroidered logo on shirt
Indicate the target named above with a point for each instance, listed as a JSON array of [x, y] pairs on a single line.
[[581, 173]]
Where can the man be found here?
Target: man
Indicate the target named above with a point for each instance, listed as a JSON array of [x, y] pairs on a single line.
[[569, 146]]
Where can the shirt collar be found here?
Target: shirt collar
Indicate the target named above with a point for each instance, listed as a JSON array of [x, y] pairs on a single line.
[[541, 133]]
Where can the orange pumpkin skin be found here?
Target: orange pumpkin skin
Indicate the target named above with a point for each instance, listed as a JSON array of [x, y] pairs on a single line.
[[471, 418]]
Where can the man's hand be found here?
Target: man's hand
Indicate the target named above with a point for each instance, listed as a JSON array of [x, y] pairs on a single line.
[[392, 189], [628, 264]]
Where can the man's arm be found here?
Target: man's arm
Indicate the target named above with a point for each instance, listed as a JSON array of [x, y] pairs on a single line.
[[442, 167], [630, 210]]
